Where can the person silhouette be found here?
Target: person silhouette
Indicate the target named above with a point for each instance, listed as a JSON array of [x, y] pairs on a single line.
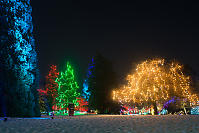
[[71, 109]]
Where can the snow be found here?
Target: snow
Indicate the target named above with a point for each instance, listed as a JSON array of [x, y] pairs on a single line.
[[104, 124]]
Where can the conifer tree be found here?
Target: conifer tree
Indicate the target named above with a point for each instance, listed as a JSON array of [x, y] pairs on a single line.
[[18, 59], [101, 81], [67, 88]]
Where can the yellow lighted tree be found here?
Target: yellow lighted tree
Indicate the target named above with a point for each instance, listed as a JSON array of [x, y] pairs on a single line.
[[156, 81]]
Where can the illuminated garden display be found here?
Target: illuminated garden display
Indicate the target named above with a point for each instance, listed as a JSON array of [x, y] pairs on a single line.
[[156, 82], [19, 71], [61, 90]]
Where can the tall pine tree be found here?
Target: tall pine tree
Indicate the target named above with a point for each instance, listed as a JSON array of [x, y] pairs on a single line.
[[101, 81], [18, 58], [67, 88]]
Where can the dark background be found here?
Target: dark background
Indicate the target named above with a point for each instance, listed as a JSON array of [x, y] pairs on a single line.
[[125, 33]]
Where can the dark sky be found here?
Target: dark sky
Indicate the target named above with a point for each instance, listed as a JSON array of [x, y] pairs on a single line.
[[125, 33]]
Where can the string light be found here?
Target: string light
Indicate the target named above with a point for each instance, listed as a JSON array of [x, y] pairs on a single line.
[[67, 88], [154, 80]]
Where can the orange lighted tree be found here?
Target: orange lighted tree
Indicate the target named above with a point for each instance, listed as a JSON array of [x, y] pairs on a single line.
[[156, 81]]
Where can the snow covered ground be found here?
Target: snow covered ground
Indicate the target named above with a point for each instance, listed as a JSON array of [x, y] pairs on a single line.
[[104, 124]]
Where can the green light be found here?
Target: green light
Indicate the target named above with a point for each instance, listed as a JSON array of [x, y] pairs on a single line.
[[67, 88]]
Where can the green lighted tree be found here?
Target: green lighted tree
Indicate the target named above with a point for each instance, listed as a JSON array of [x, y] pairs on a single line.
[[67, 88]]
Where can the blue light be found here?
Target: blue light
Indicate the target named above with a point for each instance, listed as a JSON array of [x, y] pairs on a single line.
[[166, 104], [86, 94], [20, 57], [195, 110], [163, 112]]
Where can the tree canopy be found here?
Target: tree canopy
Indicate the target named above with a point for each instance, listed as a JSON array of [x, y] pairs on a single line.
[[156, 80]]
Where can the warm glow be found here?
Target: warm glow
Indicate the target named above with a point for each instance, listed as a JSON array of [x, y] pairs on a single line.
[[155, 80]]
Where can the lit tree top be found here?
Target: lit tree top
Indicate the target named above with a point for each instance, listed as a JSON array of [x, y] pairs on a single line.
[[155, 80]]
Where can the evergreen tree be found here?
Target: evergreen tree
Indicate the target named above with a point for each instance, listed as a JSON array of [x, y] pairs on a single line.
[[52, 86], [67, 88], [101, 81], [18, 58]]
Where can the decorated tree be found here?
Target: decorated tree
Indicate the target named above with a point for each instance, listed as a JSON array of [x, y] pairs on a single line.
[[67, 88], [155, 81], [18, 59], [52, 86]]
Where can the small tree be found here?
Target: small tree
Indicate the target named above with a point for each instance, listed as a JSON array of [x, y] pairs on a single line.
[[67, 88]]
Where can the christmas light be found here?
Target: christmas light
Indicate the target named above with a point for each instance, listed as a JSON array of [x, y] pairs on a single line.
[[83, 105], [67, 88], [195, 110], [156, 81], [52, 86]]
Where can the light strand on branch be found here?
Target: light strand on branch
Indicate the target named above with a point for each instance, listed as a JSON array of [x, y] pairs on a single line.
[[156, 80]]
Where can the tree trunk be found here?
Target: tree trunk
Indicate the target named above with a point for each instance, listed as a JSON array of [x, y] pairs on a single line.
[[155, 108]]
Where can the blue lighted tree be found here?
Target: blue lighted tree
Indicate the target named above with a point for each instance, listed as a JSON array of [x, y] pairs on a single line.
[[85, 92], [19, 68]]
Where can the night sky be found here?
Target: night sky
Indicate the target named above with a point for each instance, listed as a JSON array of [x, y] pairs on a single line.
[[125, 33]]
